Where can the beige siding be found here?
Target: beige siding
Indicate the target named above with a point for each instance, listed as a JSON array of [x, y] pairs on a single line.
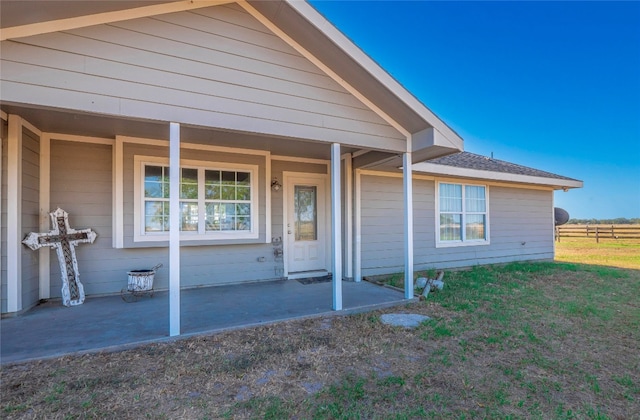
[[516, 216], [81, 176], [212, 67], [30, 216], [3, 219]]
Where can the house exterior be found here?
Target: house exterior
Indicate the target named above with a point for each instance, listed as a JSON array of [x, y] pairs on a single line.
[[235, 141]]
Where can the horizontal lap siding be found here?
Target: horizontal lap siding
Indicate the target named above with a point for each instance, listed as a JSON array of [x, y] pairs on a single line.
[[30, 216], [516, 216], [81, 184], [213, 67], [382, 232]]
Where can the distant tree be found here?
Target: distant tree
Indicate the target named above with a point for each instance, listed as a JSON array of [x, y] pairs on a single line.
[[616, 221]]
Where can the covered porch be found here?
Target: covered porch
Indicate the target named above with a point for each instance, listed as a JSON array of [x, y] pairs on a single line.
[[111, 146], [109, 323]]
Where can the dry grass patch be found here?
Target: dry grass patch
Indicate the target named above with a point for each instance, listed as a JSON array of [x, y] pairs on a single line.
[[622, 253], [520, 341]]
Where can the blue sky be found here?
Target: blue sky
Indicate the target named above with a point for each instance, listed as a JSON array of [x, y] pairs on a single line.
[[551, 85]]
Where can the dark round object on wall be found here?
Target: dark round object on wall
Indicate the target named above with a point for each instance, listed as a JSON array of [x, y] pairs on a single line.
[[561, 216]]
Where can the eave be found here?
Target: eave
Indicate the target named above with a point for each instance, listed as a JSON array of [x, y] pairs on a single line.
[[451, 171]]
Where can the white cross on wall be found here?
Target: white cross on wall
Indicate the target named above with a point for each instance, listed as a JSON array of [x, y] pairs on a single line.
[[64, 239]]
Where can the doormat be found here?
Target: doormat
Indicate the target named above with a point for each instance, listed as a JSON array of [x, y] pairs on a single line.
[[314, 280]]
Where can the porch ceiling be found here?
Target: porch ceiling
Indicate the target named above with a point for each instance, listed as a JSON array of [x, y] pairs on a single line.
[[92, 125]]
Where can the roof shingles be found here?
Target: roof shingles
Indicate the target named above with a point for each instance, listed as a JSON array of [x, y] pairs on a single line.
[[472, 161]]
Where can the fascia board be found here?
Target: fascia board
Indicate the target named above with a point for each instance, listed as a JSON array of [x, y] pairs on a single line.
[[434, 169], [326, 27]]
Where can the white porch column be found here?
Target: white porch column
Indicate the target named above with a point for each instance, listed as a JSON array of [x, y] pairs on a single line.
[[336, 236], [348, 215], [407, 177], [14, 214], [44, 256], [357, 228], [174, 229]]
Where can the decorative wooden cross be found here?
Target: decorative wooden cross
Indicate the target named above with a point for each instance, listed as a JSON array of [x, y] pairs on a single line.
[[64, 239]]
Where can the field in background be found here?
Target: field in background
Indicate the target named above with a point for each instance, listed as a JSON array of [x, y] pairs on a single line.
[[622, 253]]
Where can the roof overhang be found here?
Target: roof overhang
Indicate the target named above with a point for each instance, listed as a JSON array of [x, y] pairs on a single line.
[[320, 38], [296, 22], [452, 171]]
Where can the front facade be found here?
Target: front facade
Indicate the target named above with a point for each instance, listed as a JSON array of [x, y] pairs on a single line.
[[233, 142]]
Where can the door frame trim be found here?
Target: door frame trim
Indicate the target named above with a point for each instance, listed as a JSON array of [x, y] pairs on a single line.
[[287, 178]]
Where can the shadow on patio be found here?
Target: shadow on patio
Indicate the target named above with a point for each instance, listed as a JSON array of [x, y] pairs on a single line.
[[109, 323]]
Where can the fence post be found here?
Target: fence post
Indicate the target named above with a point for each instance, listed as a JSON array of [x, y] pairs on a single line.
[[597, 237], [612, 235], [587, 227]]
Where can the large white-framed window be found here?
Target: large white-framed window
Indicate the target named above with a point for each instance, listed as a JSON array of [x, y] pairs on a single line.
[[462, 214], [218, 201]]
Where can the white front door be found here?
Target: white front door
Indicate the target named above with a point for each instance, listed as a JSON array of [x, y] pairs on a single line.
[[306, 224]]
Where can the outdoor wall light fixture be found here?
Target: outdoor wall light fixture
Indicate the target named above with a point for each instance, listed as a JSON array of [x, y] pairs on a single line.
[[275, 185]]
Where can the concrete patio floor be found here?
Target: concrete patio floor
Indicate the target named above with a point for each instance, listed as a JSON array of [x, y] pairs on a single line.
[[109, 323]]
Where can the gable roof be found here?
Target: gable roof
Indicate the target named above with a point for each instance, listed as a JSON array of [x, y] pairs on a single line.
[[470, 165], [298, 24]]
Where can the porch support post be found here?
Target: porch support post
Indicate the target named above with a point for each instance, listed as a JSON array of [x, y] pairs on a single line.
[[348, 215], [14, 214], [357, 228], [407, 177], [174, 229], [336, 228], [44, 256]]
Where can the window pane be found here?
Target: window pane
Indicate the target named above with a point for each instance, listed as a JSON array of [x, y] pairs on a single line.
[[228, 178], [156, 182], [228, 193], [244, 178], [450, 227], [189, 184], [451, 197], [475, 199], [211, 185], [243, 193], [156, 216], [227, 219], [188, 217], [212, 217], [212, 192], [243, 209], [152, 189], [211, 177], [243, 223], [305, 213], [475, 227], [227, 199]]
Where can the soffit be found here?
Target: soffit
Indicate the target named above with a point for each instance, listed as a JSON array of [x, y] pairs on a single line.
[[24, 12]]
